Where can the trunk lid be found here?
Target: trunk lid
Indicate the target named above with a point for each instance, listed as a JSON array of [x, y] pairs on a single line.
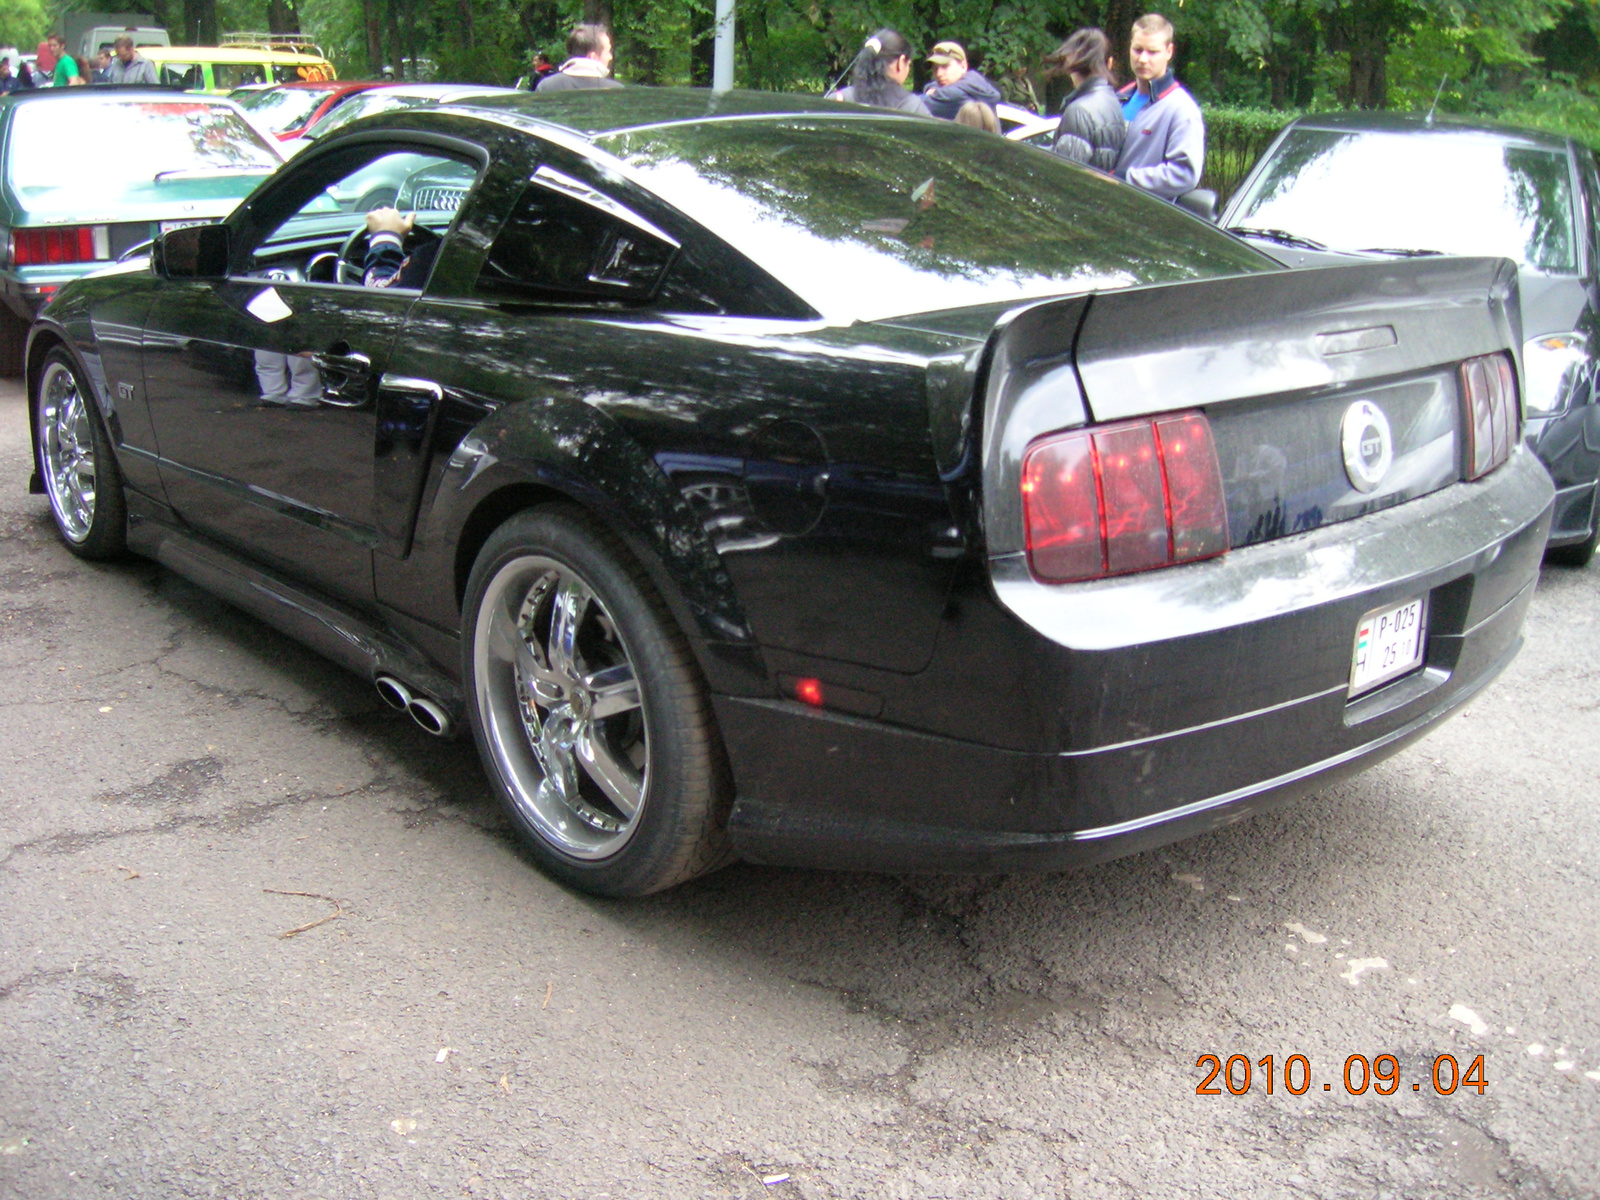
[[1275, 361]]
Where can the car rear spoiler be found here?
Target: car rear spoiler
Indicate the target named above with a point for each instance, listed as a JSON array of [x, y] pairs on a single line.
[[1152, 349], [1111, 355]]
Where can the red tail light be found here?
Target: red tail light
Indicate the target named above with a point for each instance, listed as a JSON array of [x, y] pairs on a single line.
[[1492, 421], [1121, 498], [59, 244]]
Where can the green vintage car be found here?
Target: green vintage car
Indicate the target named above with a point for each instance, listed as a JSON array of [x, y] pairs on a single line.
[[89, 175]]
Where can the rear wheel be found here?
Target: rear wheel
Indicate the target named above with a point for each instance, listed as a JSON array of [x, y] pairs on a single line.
[[77, 463], [588, 710]]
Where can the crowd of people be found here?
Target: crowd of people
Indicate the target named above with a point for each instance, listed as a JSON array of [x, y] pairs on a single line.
[[1149, 133], [121, 64]]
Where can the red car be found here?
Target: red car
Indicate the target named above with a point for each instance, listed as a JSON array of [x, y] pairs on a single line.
[[287, 110]]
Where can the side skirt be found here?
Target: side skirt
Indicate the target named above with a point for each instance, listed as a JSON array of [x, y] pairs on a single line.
[[335, 632]]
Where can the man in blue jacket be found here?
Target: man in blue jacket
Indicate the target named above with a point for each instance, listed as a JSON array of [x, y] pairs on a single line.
[[1165, 147], [955, 84]]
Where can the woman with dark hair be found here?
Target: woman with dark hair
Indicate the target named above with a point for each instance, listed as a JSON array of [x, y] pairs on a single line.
[[1092, 125], [879, 75]]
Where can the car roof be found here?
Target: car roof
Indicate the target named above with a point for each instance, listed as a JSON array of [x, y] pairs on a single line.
[[127, 92], [594, 112], [225, 54], [320, 85], [435, 91], [1420, 125]]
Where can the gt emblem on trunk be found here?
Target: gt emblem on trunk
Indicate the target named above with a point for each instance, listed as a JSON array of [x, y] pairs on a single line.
[[1368, 445]]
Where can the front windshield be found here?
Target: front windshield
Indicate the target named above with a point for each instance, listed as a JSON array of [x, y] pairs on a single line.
[[281, 109], [1455, 192], [155, 140], [870, 218]]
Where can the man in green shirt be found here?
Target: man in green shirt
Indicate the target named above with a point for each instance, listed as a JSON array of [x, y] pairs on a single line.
[[66, 73]]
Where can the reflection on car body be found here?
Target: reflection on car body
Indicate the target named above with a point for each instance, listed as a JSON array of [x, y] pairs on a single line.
[[757, 477], [181, 160]]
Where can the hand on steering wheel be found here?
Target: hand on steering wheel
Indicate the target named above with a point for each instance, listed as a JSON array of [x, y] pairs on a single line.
[[353, 254]]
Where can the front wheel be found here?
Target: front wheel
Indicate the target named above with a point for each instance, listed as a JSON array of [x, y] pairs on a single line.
[[77, 464], [588, 710]]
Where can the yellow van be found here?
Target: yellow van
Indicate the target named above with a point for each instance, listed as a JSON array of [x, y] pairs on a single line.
[[220, 69]]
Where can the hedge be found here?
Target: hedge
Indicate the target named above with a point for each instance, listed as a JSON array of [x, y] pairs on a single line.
[[1235, 138]]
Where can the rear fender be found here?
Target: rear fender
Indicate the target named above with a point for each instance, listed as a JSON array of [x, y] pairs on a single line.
[[575, 452]]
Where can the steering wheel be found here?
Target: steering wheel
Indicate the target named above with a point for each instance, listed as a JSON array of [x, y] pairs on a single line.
[[353, 254]]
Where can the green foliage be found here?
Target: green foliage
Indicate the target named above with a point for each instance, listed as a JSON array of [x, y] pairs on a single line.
[[1235, 138], [1558, 105], [23, 23]]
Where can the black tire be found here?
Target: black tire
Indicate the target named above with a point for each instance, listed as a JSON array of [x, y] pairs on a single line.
[[378, 197], [13, 344], [77, 463], [617, 792], [1579, 554]]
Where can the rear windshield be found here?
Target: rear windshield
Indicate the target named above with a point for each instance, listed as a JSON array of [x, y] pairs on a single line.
[[866, 218], [281, 109], [1456, 192], [155, 140]]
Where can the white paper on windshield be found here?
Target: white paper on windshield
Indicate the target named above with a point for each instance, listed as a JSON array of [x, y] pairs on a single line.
[[268, 306]]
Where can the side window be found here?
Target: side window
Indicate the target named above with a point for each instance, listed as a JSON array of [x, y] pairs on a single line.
[[184, 75], [566, 241], [232, 75], [325, 240]]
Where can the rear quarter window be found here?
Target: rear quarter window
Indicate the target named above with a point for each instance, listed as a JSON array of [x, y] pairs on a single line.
[[868, 218]]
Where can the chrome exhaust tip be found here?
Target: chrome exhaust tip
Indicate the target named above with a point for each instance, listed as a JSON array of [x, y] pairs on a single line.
[[394, 693], [430, 716]]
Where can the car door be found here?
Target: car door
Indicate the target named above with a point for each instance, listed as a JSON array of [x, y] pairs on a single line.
[[263, 385], [608, 311]]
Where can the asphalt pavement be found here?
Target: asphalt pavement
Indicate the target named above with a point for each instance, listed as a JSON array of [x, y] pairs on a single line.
[[264, 938]]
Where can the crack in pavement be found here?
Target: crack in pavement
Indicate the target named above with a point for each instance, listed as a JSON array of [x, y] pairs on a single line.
[[236, 819]]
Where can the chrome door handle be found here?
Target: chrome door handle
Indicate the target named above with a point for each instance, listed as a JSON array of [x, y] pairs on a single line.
[[407, 385]]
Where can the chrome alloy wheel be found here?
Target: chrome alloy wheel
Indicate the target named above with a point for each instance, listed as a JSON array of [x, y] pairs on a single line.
[[66, 439], [561, 709]]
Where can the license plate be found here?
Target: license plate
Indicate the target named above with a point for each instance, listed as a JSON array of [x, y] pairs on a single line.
[[169, 226], [1388, 644]]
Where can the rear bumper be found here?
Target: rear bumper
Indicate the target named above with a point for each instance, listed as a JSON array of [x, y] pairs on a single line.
[[824, 789], [1575, 513]]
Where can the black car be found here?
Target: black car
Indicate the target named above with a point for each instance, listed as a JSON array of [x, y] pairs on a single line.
[[774, 478], [1340, 186]]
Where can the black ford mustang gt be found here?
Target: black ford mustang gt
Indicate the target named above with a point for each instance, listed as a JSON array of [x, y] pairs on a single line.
[[776, 478]]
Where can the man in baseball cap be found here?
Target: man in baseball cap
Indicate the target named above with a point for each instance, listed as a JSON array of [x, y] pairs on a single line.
[[954, 83]]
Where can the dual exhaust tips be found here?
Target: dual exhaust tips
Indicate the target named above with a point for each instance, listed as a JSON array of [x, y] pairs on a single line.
[[423, 711]]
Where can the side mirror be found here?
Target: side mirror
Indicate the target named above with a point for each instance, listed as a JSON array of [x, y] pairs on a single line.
[[192, 252], [1202, 202]]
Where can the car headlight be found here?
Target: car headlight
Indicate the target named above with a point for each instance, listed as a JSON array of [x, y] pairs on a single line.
[[1555, 367]]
